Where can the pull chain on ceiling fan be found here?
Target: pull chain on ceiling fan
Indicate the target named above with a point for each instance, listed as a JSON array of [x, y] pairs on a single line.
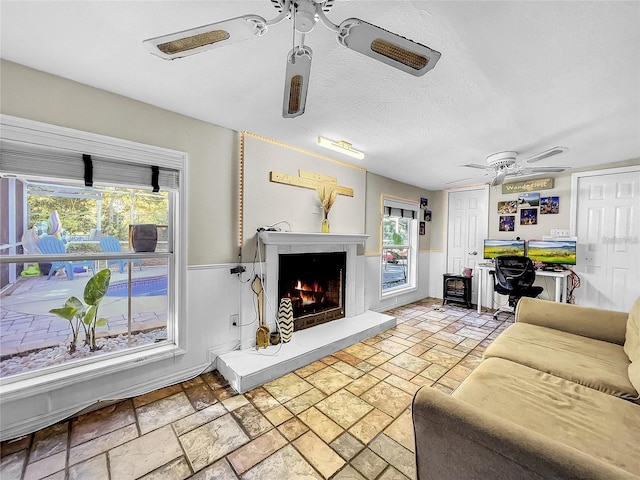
[[355, 34]]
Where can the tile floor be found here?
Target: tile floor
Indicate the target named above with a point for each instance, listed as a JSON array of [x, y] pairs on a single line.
[[347, 416]]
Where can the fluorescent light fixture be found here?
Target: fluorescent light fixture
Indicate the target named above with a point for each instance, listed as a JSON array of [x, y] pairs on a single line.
[[296, 81], [340, 146], [206, 37], [387, 47]]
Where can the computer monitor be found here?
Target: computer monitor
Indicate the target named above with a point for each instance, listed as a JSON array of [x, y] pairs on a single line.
[[494, 248], [552, 252]]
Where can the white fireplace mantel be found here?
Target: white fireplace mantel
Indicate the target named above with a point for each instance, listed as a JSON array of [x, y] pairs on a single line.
[[304, 238]]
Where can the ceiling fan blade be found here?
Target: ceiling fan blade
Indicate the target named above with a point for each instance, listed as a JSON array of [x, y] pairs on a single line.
[[377, 43], [460, 180], [296, 81], [206, 37], [546, 154], [476, 165], [543, 169]]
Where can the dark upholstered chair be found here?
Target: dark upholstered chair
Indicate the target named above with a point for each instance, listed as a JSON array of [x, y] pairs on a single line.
[[514, 276]]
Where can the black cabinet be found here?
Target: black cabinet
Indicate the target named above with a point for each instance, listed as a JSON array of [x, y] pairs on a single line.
[[456, 288]]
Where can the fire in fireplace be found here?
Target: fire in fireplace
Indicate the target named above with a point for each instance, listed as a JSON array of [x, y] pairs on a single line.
[[315, 284]]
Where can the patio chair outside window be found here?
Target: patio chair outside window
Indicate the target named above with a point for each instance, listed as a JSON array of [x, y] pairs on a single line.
[[54, 246], [112, 245]]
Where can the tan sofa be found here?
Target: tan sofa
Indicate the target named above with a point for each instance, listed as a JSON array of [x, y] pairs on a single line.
[[555, 397]]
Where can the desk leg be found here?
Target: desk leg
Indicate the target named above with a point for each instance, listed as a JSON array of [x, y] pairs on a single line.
[[559, 282], [480, 292]]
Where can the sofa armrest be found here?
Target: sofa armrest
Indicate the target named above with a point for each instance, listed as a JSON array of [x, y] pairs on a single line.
[[456, 440], [607, 325]]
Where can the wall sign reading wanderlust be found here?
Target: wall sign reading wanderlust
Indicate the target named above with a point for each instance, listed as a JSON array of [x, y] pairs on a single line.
[[528, 186]]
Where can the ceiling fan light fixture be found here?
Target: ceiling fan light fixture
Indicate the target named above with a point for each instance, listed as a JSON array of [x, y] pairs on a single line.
[[340, 146], [384, 46], [206, 37], [296, 81]]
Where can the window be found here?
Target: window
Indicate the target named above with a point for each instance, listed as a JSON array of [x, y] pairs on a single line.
[[399, 240], [90, 258]]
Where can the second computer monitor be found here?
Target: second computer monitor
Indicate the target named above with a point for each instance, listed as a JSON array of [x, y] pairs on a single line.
[[552, 252]]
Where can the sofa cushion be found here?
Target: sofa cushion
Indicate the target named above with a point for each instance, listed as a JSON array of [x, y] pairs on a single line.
[[593, 363], [632, 344], [600, 425]]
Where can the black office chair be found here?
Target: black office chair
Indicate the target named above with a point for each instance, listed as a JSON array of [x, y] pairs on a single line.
[[514, 276]]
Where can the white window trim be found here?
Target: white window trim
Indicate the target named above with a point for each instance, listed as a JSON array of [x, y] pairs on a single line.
[[412, 284], [52, 136]]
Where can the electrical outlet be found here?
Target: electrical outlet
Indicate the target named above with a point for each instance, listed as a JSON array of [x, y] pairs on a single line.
[[559, 232], [234, 320]]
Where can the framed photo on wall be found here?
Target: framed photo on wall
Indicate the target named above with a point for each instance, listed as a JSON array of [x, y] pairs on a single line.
[[549, 205], [529, 199], [424, 202], [528, 216], [507, 223], [422, 228], [510, 206], [427, 215]]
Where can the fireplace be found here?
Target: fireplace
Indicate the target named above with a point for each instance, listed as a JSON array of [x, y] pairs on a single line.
[[315, 284]]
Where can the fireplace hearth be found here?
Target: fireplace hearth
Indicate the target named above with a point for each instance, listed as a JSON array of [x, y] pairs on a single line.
[[315, 283]]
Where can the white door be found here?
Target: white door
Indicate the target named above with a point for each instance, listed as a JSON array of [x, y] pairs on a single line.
[[607, 224], [467, 224]]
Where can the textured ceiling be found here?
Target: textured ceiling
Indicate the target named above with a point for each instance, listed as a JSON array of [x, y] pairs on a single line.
[[523, 76]]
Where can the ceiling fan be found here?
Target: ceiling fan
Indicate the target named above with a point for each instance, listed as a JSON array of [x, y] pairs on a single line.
[[370, 40], [507, 164]]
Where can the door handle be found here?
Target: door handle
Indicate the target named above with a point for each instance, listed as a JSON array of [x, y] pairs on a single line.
[[472, 253]]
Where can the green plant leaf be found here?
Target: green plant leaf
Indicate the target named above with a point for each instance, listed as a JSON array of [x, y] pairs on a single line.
[[64, 312], [74, 302], [90, 315], [101, 322], [97, 287]]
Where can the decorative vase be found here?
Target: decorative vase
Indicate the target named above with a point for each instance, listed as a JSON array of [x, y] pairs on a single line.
[[285, 319], [325, 224]]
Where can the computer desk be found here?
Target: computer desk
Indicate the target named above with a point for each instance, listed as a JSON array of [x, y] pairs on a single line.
[[485, 270]]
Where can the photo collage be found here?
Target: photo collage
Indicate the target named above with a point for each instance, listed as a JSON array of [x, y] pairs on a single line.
[[530, 205]]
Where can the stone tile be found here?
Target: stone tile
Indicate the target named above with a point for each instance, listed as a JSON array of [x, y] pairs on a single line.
[[409, 387], [395, 454], [223, 393], [409, 362], [309, 369], [108, 419], [401, 430], [365, 366], [369, 464], [56, 476], [319, 454], [253, 422], [449, 382], [347, 358], [278, 415], [212, 441], [304, 401], [459, 372], [329, 380], [438, 357], [448, 337], [162, 412], [49, 441], [232, 403], [417, 350], [361, 385], [391, 347], [95, 468], [379, 373], [391, 400], [11, 465], [344, 408], [255, 451], [156, 448], [156, 395], [214, 379], [193, 382], [392, 474], [443, 388], [372, 424], [15, 445], [102, 444], [329, 360], [177, 469], [361, 351], [285, 388], [285, 464], [200, 395], [434, 372], [262, 399], [45, 467], [326, 428], [347, 446], [198, 419], [347, 369], [348, 473], [396, 370], [379, 358], [221, 470], [293, 428]]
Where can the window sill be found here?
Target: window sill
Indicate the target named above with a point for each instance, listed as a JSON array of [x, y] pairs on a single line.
[[394, 292], [23, 388]]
